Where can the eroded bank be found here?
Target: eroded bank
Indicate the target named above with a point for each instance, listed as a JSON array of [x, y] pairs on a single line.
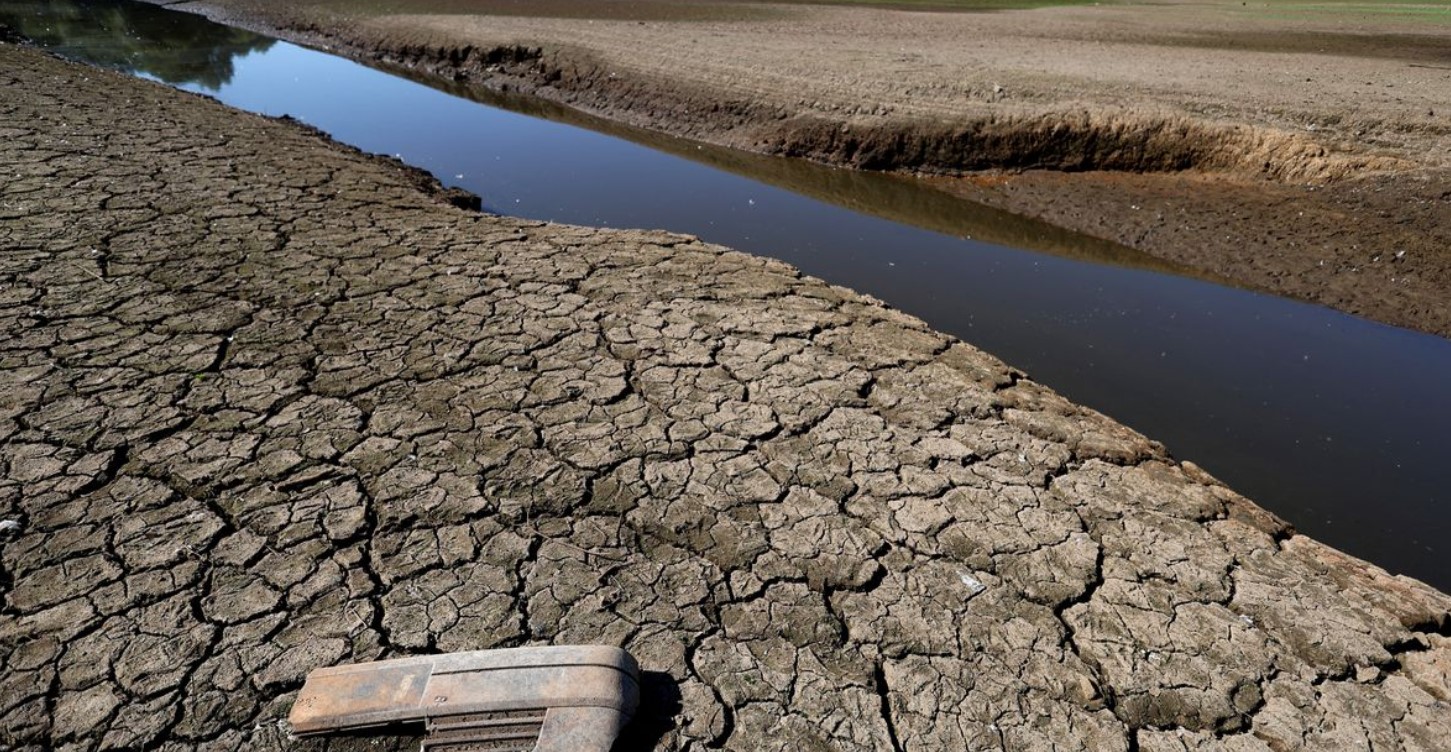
[[1305, 155]]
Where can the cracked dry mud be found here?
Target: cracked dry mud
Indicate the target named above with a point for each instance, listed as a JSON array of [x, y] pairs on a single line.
[[267, 404]]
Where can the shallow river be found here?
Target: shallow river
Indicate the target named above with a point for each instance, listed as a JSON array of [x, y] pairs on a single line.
[[1338, 424]]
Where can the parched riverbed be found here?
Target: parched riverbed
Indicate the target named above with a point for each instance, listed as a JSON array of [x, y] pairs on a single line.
[[1336, 423], [267, 404]]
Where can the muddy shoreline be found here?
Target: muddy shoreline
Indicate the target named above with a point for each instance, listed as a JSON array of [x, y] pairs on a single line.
[[271, 404], [1359, 221]]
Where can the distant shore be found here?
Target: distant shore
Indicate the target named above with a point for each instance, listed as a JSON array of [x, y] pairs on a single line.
[[1305, 153]]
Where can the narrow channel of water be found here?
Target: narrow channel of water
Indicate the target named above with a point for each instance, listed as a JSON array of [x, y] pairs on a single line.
[[1336, 423]]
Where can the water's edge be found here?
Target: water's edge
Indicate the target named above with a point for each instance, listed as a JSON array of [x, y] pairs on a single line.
[[1314, 413]]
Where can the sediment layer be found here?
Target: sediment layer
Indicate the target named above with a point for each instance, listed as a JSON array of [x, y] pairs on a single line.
[[1272, 166], [865, 138], [267, 404]]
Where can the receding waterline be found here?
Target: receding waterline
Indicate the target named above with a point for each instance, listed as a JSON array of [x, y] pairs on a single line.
[[1336, 423]]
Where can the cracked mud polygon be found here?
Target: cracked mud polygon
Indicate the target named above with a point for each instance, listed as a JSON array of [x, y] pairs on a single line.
[[269, 404]]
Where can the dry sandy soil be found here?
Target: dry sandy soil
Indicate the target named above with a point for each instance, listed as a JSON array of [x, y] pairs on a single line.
[[268, 404], [1302, 150]]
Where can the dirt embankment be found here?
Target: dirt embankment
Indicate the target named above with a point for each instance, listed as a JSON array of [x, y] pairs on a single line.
[[265, 405], [1305, 158]]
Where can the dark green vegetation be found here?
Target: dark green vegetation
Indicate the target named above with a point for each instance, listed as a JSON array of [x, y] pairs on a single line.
[[175, 48], [1437, 11]]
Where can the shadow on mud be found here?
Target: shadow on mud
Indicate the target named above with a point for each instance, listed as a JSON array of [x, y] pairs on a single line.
[[660, 703]]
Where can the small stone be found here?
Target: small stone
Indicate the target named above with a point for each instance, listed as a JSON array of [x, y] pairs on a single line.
[[1367, 674], [974, 586]]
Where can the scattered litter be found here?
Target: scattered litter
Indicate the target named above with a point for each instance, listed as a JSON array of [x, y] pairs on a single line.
[[1247, 619], [974, 586], [469, 691], [9, 526]]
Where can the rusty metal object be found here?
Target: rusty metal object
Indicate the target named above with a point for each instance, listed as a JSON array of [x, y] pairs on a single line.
[[545, 699]]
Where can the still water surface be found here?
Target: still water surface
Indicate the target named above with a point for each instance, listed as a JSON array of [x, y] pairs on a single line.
[[1336, 423]]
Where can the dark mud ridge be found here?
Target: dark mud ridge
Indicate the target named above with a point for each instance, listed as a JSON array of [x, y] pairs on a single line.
[[265, 405], [1070, 141]]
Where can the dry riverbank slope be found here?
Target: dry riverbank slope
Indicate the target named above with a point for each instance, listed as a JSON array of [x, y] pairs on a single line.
[[1302, 151], [268, 404]]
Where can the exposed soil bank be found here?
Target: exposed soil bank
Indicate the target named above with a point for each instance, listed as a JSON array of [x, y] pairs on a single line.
[[266, 405], [1305, 157]]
